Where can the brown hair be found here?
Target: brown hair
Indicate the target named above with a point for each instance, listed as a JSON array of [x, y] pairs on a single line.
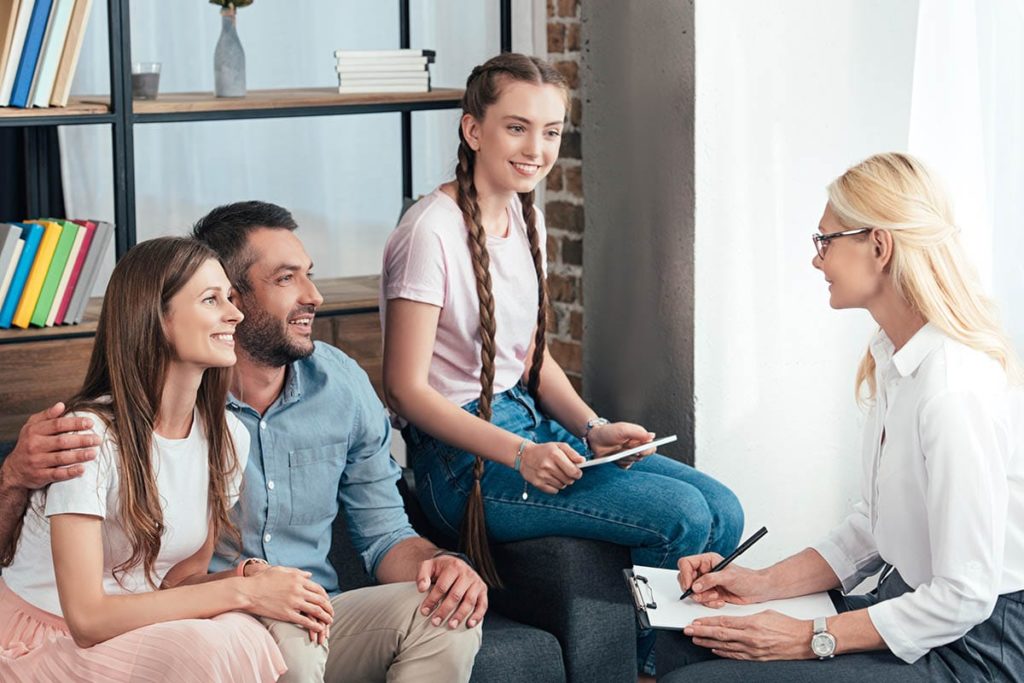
[[483, 87], [124, 384]]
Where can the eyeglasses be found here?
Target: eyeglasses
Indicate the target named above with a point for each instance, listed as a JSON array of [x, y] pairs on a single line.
[[821, 241]]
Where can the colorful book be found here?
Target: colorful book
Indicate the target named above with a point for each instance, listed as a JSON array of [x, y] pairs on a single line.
[[10, 248], [30, 54], [65, 277], [36, 276], [88, 229], [19, 31], [69, 58], [68, 232], [42, 51], [8, 20], [49, 56], [32, 235], [90, 270]]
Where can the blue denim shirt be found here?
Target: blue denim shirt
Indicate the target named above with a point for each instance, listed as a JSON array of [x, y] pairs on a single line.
[[323, 445]]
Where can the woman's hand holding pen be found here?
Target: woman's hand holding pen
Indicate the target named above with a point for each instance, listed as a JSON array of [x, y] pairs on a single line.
[[733, 584], [551, 466], [615, 436]]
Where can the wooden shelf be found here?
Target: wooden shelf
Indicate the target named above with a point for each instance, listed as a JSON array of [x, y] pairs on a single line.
[[187, 102], [77, 106], [341, 296]]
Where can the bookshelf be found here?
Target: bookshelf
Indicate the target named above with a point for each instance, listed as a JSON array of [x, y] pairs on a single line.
[[42, 365]]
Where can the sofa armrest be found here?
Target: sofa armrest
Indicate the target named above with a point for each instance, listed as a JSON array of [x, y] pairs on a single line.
[[573, 588]]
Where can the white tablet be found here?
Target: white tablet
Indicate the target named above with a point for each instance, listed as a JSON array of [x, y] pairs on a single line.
[[618, 455]]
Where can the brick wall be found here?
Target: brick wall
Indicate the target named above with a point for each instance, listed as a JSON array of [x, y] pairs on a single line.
[[563, 206]]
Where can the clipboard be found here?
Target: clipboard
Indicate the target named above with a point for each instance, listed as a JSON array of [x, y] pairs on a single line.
[[656, 594], [643, 596]]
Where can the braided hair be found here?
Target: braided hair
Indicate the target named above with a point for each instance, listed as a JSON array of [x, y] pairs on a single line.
[[482, 90]]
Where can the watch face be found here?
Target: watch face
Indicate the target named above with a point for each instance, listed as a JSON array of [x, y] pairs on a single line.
[[823, 644]]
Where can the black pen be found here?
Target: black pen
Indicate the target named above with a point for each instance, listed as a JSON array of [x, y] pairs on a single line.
[[725, 563]]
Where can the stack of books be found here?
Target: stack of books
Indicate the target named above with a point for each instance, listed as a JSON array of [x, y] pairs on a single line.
[[39, 45], [362, 71], [48, 268]]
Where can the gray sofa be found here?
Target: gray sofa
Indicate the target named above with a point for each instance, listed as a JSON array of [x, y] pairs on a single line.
[[564, 615]]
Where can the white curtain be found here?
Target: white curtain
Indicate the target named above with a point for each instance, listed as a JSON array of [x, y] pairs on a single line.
[[340, 176], [967, 121]]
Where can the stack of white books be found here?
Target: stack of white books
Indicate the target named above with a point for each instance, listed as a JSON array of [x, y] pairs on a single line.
[[362, 71]]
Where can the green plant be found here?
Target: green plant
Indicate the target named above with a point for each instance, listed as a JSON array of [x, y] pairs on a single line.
[[231, 4]]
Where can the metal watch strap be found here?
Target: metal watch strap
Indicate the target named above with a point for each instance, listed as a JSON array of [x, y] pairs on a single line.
[[595, 422]]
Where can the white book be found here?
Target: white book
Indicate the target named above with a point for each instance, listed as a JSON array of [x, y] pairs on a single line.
[[372, 85], [17, 46], [353, 89], [374, 65], [49, 57], [10, 252], [76, 247], [423, 76], [403, 53]]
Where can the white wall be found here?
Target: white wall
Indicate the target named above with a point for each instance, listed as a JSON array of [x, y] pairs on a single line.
[[340, 176], [789, 94]]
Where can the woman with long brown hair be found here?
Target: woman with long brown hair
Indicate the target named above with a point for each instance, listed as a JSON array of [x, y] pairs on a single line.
[[99, 584], [496, 431]]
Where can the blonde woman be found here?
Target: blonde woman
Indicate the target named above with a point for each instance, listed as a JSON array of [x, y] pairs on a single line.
[[942, 512]]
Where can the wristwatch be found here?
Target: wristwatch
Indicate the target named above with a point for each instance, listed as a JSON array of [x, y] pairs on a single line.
[[823, 643]]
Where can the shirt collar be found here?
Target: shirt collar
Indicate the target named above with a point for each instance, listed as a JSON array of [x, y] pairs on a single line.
[[908, 359], [290, 393]]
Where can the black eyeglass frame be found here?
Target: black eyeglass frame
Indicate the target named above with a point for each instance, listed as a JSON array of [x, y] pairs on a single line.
[[821, 240]]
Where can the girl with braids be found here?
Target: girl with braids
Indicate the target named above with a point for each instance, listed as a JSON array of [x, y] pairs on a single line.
[[496, 431], [99, 584], [942, 509]]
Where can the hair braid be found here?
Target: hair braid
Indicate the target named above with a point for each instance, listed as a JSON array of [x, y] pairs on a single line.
[[474, 529], [540, 337]]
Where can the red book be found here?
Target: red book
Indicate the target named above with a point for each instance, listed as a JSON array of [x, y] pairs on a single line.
[[90, 230]]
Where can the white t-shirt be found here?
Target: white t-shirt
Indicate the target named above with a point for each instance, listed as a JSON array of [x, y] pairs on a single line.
[[427, 259], [942, 496], [182, 477]]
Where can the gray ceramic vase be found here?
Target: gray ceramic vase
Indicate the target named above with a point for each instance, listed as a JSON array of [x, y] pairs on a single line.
[[228, 60]]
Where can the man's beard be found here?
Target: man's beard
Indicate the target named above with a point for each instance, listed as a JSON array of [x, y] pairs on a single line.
[[264, 338]]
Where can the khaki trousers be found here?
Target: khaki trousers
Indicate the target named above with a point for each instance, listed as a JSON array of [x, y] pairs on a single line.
[[378, 635]]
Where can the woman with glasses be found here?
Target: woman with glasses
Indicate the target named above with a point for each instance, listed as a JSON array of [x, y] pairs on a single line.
[[942, 508]]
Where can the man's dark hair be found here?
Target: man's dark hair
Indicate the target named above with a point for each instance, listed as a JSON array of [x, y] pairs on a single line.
[[226, 230]]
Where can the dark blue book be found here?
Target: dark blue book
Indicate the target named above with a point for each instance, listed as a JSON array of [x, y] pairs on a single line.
[[30, 53], [32, 234]]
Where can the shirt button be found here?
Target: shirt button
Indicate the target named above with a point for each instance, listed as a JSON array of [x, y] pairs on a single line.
[[270, 484], [263, 424], [266, 538]]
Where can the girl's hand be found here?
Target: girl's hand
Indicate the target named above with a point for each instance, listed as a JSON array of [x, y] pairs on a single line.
[[550, 467], [288, 594], [605, 439], [734, 584]]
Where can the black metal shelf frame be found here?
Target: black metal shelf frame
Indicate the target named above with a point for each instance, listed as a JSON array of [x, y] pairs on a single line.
[[122, 119]]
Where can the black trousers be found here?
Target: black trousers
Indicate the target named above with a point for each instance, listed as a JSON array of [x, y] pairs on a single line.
[[991, 651]]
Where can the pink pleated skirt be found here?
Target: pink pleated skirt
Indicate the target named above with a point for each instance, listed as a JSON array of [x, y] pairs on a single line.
[[36, 647]]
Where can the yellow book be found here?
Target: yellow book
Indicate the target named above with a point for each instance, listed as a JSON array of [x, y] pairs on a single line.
[[36, 276]]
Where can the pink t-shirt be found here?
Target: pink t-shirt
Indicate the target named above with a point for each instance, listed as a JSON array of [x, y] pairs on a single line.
[[427, 259]]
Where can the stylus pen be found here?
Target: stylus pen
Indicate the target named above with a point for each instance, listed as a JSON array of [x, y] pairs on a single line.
[[736, 553]]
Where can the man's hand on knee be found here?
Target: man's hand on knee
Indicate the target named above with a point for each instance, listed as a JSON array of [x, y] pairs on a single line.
[[49, 449], [455, 592]]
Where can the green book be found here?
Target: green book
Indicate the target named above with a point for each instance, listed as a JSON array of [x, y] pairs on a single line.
[[53, 275]]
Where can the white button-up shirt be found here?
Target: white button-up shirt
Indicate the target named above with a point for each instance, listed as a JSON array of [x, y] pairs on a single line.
[[942, 492]]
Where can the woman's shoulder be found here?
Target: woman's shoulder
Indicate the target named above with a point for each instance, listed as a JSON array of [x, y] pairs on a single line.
[[435, 213]]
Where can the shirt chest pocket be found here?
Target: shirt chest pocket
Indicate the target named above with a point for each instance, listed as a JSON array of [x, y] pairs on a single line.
[[314, 475]]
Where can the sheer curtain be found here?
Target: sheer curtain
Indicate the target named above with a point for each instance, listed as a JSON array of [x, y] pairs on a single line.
[[340, 176], [967, 121]]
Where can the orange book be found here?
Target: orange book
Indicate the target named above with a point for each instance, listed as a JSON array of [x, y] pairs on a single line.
[[36, 276]]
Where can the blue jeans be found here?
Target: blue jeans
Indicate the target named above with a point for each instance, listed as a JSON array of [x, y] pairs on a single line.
[[660, 508]]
